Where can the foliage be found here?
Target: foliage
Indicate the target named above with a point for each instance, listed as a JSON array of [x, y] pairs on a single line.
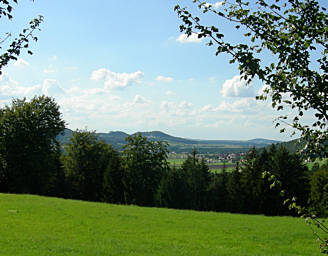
[[144, 163], [185, 187], [173, 190], [217, 198], [293, 32], [113, 179], [319, 192], [85, 162], [234, 190], [257, 195], [29, 150], [22, 41], [251, 183], [197, 178]]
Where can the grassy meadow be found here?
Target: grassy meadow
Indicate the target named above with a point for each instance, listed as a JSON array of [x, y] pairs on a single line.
[[214, 167], [33, 225]]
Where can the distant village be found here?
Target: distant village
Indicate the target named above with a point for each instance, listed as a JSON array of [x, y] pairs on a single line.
[[212, 158]]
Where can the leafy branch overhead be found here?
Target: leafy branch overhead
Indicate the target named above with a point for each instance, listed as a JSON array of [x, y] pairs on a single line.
[[294, 34], [22, 41]]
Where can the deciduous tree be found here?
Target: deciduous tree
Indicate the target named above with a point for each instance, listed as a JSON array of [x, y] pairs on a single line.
[[144, 163], [293, 33], [29, 149], [319, 192], [85, 161]]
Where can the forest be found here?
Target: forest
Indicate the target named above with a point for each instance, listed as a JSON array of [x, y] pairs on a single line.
[[32, 162]]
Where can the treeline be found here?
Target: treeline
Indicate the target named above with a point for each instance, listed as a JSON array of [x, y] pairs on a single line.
[[31, 161], [246, 189]]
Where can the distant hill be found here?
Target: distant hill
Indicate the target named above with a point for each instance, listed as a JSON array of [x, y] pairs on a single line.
[[294, 145], [178, 144], [116, 138], [63, 138], [263, 141], [161, 136]]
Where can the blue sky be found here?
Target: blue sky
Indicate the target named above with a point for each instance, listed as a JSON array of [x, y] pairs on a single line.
[[124, 65]]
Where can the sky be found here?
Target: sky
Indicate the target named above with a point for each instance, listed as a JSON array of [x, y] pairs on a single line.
[[125, 66]]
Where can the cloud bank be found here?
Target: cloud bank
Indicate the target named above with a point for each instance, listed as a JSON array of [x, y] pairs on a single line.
[[114, 80], [21, 63], [237, 87]]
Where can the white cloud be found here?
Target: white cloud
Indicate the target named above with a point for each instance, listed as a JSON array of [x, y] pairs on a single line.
[[114, 80], [166, 106], [170, 93], [206, 108], [244, 105], [52, 88], [18, 91], [261, 90], [99, 109], [193, 38], [237, 87], [218, 4], [114, 98], [21, 63], [178, 109], [92, 91], [104, 111], [164, 79], [49, 70], [215, 5], [10, 88], [184, 105], [5, 79], [138, 99]]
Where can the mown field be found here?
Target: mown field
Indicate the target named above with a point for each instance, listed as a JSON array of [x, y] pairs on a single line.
[[32, 225], [214, 167], [217, 167]]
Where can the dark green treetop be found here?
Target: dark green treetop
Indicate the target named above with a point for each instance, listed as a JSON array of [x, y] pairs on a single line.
[[144, 162], [28, 145]]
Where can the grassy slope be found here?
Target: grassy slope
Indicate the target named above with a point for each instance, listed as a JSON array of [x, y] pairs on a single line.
[[32, 225]]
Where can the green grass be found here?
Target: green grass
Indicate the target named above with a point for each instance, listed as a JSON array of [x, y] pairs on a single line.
[[179, 161], [32, 225], [176, 161], [321, 162], [230, 169]]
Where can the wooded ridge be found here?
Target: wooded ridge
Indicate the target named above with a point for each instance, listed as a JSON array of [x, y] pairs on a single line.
[[178, 144]]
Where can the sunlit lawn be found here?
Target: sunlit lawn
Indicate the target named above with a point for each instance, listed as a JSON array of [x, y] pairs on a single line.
[[32, 225]]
